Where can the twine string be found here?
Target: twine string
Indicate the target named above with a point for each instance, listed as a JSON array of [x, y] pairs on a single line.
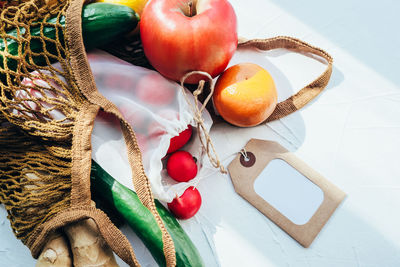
[[243, 152], [197, 110]]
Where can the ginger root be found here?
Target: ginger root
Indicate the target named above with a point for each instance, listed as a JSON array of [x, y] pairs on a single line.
[[88, 248], [87, 245], [55, 253]]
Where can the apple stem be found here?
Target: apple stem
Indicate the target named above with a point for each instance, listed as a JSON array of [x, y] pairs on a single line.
[[190, 9]]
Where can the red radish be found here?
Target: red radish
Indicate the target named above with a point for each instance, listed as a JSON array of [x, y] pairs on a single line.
[[134, 116], [187, 205], [179, 141], [156, 130], [119, 82], [154, 89], [168, 114], [181, 166]]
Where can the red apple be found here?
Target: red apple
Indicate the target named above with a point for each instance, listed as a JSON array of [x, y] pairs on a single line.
[[187, 205], [134, 116], [181, 166], [180, 36]]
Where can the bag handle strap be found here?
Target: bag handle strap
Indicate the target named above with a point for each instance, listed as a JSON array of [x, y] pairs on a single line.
[[309, 92], [85, 81], [284, 108]]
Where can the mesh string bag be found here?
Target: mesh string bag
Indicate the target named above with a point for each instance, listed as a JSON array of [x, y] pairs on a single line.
[[45, 146]]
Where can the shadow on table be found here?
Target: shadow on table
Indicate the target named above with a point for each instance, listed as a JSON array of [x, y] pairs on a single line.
[[346, 240], [218, 193], [341, 241], [365, 29]]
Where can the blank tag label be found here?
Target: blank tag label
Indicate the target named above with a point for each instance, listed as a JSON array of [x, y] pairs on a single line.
[[288, 191]]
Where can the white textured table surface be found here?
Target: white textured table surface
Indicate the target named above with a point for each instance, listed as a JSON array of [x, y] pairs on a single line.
[[350, 134]]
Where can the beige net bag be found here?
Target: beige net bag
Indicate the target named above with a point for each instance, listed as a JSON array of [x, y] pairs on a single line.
[[45, 146], [45, 159]]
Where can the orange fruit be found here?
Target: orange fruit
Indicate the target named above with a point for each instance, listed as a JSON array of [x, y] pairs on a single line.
[[245, 95]]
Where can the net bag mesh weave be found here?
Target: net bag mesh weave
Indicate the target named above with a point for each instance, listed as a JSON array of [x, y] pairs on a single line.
[[35, 149], [45, 131], [29, 175]]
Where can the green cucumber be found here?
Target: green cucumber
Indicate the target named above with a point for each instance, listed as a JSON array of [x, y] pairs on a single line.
[[104, 22], [143, 223], [101, 24]]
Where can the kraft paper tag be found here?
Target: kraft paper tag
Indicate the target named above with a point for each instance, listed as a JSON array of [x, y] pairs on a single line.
[[285, 189]]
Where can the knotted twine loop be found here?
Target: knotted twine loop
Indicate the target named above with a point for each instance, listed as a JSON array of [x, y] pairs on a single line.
[[197, 116]]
